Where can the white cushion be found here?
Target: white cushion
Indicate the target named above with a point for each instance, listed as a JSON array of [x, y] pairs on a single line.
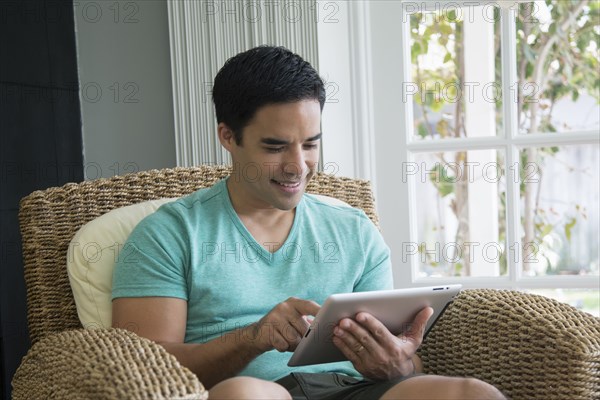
[[92, 256], [331, 200], [93, 252]]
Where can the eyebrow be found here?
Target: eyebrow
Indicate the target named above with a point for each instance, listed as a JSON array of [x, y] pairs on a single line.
[[272, 141]]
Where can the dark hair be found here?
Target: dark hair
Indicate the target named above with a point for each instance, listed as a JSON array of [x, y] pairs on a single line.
[[261, 76]]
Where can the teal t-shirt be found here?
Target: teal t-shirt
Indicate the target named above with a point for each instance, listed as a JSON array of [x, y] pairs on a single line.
[[197, 249]]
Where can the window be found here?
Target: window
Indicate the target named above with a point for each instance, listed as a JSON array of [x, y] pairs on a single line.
[[485, 124]]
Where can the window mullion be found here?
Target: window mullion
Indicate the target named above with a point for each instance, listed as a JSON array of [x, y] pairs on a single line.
[[477, 143], [556, 138], [408, 128], [406, 73], [391, 115], [537, 282], [458, 144], [510, 117]]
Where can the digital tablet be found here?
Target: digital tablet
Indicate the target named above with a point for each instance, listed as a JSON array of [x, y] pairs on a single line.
[[396, 309]]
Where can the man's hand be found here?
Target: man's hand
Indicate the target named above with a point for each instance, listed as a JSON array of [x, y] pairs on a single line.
[[283, 327], [374, 351]]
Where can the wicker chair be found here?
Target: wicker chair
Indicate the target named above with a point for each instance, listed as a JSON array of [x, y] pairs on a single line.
[[528, 346]]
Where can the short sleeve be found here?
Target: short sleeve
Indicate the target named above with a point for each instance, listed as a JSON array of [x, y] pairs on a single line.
[[154, 259], [377, 273]]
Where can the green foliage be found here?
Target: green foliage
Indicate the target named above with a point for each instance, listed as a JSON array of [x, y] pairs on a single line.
[[441, 180], [458, 269], [422, 130], [571, 62], [549, 226], [445, 31], [568, 227]]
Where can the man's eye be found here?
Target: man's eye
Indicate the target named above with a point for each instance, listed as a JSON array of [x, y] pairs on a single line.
[[274, 149], [311, 146]]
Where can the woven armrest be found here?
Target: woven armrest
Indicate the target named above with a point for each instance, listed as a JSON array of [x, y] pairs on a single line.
[[102, 364], [528, 346]]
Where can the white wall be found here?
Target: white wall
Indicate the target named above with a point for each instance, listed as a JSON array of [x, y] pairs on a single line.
[[125, 81]]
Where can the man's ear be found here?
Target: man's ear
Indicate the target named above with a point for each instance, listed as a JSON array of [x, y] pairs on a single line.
[[226, 136]]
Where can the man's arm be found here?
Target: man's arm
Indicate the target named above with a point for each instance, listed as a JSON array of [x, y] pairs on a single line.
[[163, 320]]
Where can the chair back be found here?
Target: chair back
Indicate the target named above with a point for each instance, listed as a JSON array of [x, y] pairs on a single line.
[[50, 218]]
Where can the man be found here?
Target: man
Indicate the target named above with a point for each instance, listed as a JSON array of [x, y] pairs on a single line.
[[225, 278]]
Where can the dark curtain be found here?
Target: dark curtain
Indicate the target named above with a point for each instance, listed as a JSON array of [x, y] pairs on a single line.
[[40, 141]]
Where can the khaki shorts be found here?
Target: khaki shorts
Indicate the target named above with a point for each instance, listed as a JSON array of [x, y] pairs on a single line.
[[331, 386]]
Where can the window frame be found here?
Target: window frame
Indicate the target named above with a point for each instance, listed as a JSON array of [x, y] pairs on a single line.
[[388, 114]]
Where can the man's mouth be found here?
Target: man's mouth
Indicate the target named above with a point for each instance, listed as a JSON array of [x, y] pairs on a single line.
[[287, 184]]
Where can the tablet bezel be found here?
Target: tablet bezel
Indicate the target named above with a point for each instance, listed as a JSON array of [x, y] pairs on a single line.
[[396, 309]]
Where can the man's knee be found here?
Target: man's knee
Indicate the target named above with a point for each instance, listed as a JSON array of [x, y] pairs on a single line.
[[429, 387], [243, 387], [477, 389]]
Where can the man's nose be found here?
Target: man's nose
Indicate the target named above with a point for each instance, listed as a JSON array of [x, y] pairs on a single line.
[[294, 164]]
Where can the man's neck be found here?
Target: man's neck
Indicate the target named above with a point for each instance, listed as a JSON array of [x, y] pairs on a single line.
[[248, 208], [268, 226]]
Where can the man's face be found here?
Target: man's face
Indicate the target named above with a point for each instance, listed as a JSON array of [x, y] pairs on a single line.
[[278, 154]]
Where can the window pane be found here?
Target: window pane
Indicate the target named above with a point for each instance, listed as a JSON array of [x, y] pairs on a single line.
[[557, 66], [453, 97], [559, 210], [587, 300], [460, 213]]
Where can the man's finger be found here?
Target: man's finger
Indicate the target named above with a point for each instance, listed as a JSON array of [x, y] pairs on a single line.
[[355, 336], [377, 329], [294, 331], [300, 325], [346, 350], [279, 342], [302, 308], [305, 307], [417, 328]]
